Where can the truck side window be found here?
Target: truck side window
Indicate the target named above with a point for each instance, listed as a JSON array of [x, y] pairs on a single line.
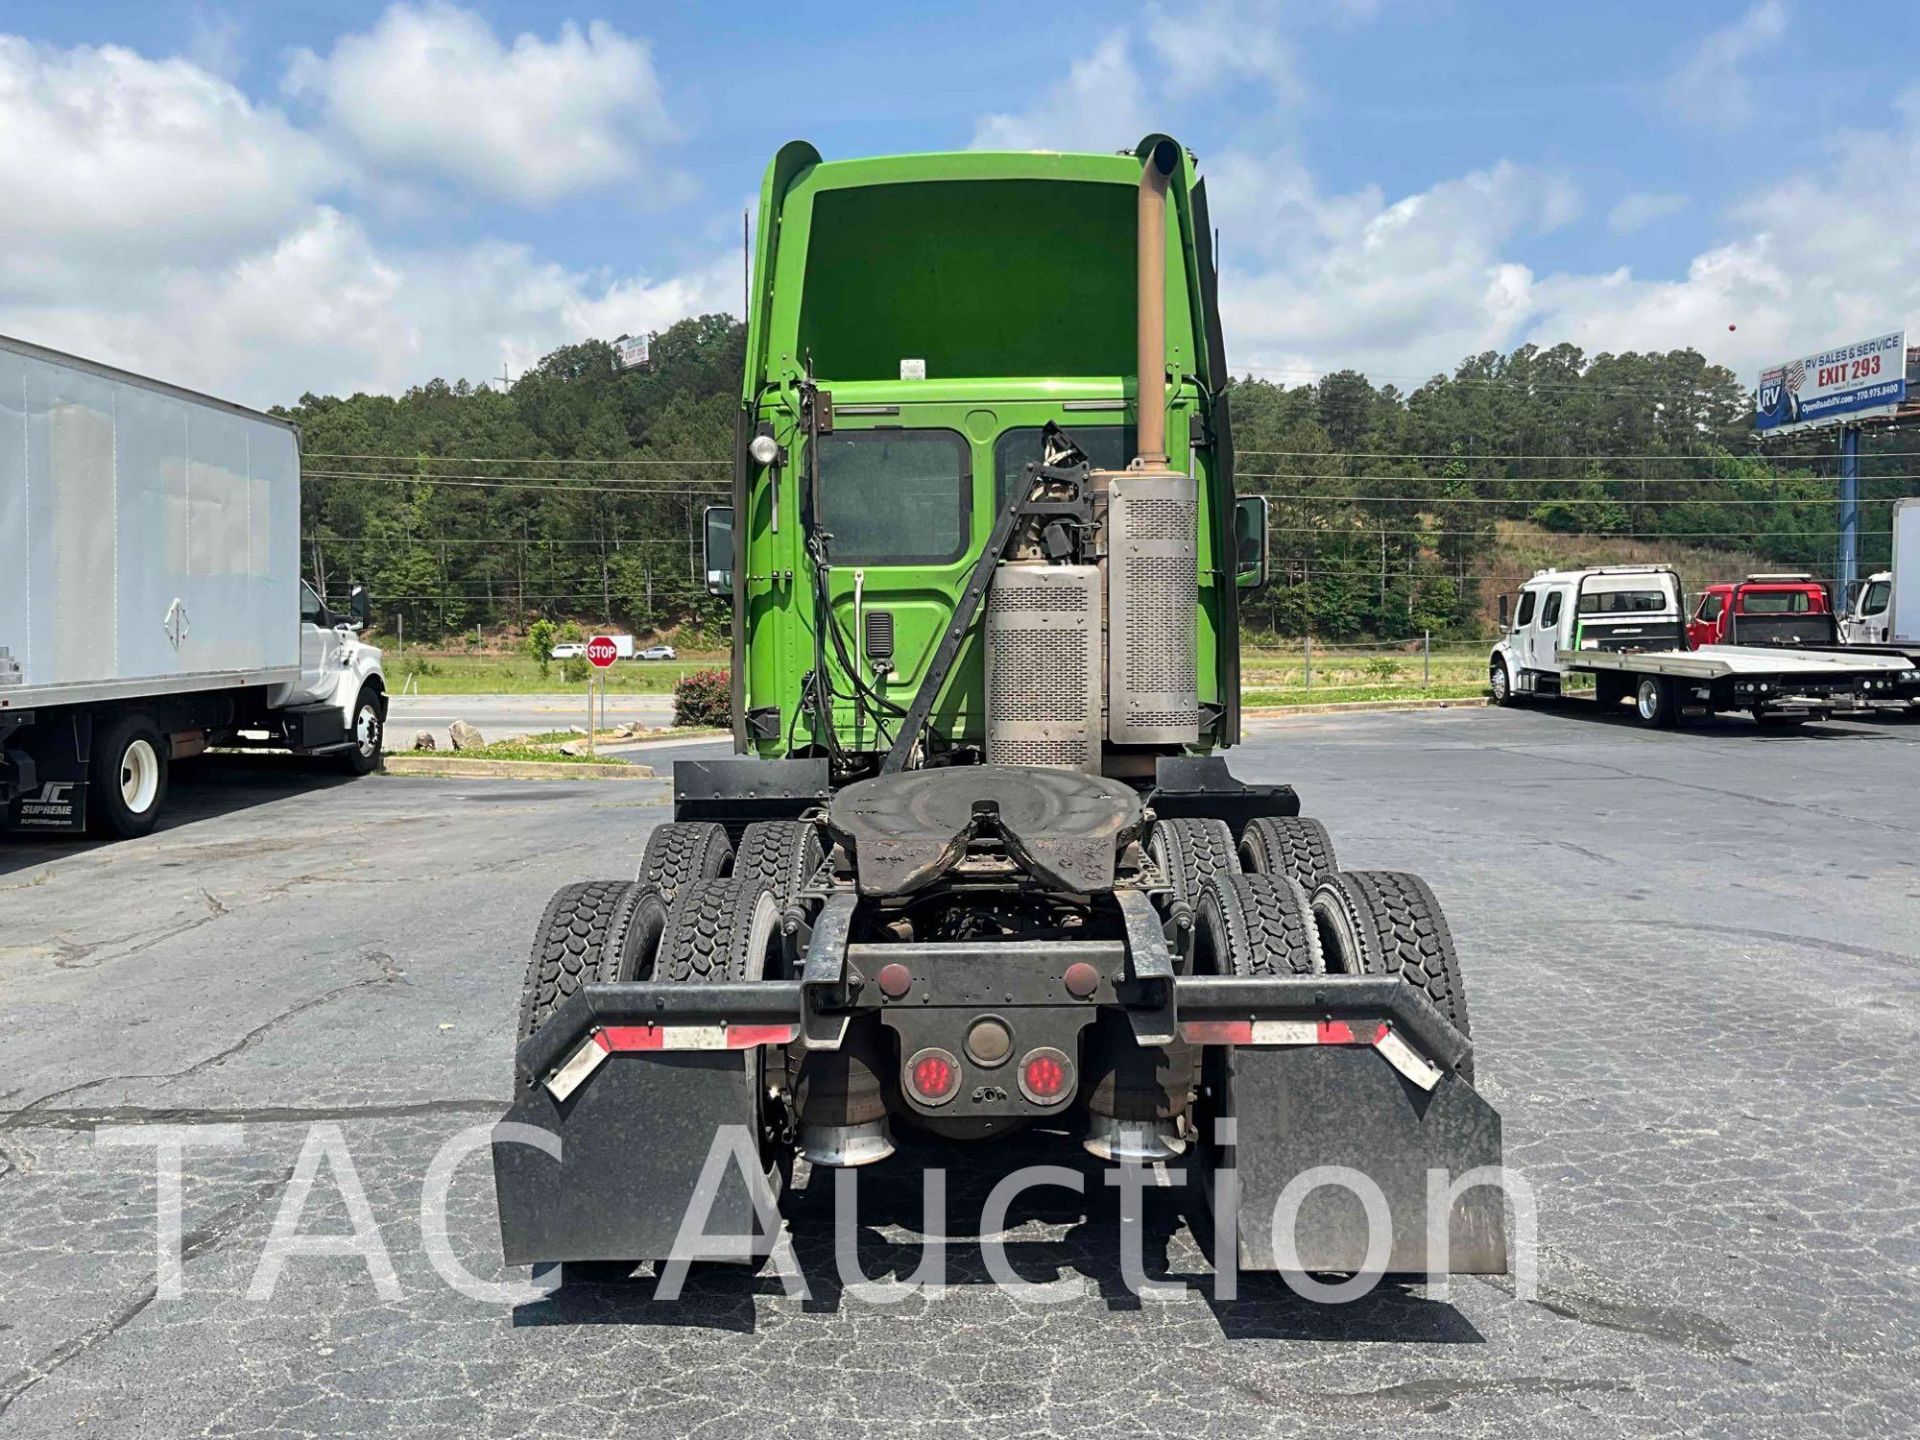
[[1108, 447], [1875, 600], [312, 612], [895, 497], [1550, 616], [1524, 617], [1711, 606]]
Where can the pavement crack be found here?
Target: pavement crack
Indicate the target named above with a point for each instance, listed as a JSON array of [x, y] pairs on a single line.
[[389, 973], [194, 1243], [88, 1119]]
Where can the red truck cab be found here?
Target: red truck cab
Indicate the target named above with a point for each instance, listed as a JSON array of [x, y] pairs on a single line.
[[1763, 610]]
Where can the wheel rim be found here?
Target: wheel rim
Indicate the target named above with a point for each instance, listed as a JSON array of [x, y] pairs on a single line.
[[366, 730], [1648, 700], [139, 776], [1498, 680]]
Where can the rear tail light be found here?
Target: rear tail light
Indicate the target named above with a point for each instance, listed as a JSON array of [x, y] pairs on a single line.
[[933, 1075], [1046, 1076]]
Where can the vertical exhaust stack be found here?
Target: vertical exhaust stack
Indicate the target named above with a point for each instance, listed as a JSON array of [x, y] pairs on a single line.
[[1150, 444], [1153, 595]]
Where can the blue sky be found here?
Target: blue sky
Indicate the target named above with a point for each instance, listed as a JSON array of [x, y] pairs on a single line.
[[276, 198]]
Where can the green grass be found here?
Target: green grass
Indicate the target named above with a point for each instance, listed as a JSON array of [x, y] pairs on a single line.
[[504, 751], [1343, 694], [422, 672], [1362, 667]]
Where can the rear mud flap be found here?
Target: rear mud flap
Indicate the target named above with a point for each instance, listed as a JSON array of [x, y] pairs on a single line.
[[634, 1143], [1294, 1110]]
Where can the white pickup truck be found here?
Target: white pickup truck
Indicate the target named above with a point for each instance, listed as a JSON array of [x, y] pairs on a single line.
[[151, 603], [1625, 626]]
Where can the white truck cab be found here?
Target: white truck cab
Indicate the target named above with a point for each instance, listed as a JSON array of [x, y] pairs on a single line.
[[1609, 607], [1869, 619]]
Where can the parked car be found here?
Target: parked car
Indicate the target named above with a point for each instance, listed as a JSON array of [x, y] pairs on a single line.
[[572, 650], [659, 652]]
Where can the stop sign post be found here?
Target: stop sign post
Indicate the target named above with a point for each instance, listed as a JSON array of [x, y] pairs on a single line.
[[602, 652]]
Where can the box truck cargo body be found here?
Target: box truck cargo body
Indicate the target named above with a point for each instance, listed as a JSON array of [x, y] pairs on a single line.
[[150, 594]]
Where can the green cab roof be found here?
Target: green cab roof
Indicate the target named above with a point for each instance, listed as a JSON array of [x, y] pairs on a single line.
[[974, 264]]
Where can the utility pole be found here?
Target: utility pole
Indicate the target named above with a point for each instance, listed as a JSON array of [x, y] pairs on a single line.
[[1845, 572]]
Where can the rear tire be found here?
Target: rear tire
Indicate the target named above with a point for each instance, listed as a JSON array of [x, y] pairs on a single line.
[[589, 931], [681, 852], [720, 932], [1294, 846], [1654, 701], [127, 777], [1190, 853], [1386, 922], [1256, 925], [783, 855]]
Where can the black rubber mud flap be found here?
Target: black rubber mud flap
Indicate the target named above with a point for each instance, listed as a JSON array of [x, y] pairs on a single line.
[[634, 1141], [1298, 1108]]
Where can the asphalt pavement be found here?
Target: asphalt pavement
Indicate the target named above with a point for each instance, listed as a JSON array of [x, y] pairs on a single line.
[[1693, 960]]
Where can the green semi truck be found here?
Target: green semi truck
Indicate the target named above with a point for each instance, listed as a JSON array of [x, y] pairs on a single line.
[[976, 864]]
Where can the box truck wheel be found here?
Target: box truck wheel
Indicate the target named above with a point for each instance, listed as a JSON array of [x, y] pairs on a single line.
[[368, 731], [1386, 922], [127, 776], [682, 851], [1292, 845]]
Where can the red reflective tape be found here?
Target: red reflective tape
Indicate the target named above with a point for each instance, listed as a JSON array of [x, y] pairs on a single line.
[[632, 1037], [1337, 1032], [1217, 1032], [745, 1037], [1382, 1033]]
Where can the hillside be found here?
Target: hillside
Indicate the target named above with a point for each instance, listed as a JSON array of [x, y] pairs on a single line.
[[1521, 547]]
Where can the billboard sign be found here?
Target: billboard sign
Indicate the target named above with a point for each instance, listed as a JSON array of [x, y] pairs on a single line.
[[1848, 383], [630, 352]]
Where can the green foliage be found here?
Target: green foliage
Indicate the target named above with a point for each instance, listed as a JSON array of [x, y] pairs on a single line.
[[524, 506], [1381, 669], [540, 642], [575, 669], [703, 697]]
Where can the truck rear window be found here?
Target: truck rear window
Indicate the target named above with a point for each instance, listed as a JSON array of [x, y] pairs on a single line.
[[1775, 602], [1624, 602], [895, 497]]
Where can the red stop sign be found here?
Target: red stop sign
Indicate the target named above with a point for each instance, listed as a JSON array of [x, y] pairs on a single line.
[[602, 651]]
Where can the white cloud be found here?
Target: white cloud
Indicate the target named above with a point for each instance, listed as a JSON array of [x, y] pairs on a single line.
[[1786, 281], [431, 90], [1638, 211], [326, 309], [1709, 87], [110, 162], [1313, 283], [1196, 48], [156, 218], [1097, 107]]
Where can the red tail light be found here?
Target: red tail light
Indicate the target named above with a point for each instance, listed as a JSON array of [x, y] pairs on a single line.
[[1046, 1076], [934, 1076]]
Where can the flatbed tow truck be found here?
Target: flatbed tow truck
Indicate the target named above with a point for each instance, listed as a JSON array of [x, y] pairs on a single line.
[[1624, 625]]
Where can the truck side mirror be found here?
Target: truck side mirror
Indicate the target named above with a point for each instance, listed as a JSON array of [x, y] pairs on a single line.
[[359, 608], [1250, 542], [1506, 612], [719, 549]]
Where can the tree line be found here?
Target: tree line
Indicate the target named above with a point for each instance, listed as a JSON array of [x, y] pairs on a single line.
[[575, 492]]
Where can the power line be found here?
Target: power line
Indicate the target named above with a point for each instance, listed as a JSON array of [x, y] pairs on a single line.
[[494, 459], [1553, 479], [557, 485], [1557, 500], [1368, 532], [1426, 455]]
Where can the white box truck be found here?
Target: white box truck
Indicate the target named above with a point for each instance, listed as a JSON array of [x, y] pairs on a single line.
[[1886, 610], [151, 603]]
